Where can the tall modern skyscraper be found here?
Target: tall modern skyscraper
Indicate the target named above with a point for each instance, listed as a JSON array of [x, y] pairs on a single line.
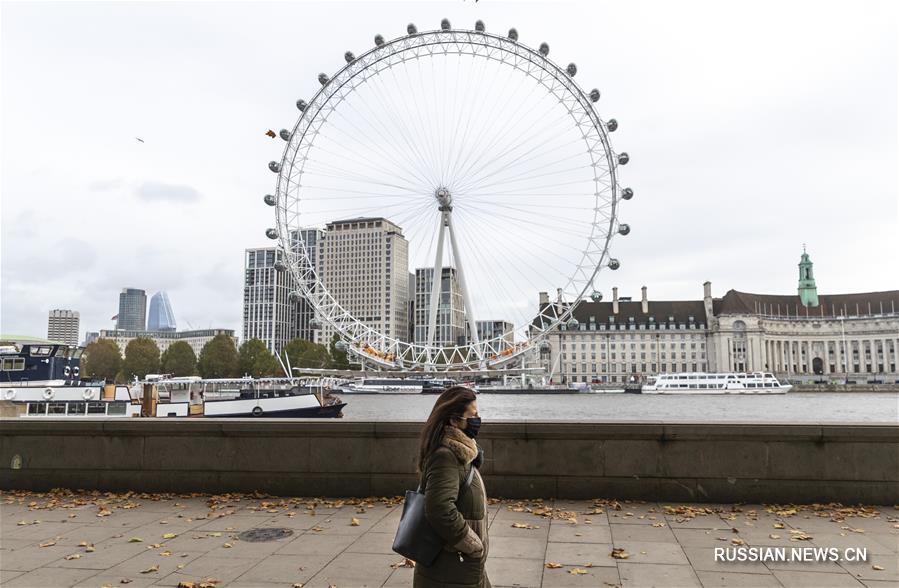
[[161, 317], [132, 310], [269, 314], [305, 327], [63, 325], [450, 308], [364, 264]]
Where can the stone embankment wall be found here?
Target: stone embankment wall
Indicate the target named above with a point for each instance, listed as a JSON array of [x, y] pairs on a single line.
[[707, 462]]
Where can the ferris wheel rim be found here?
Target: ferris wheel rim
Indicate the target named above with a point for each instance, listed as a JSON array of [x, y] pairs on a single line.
[[304, 273]]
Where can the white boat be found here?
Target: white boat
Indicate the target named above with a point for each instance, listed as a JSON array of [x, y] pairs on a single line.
[[725, 383], [239, 397], [384, 386], [40, 378]]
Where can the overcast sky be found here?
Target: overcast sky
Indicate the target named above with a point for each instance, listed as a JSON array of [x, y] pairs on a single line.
[[753, 127]]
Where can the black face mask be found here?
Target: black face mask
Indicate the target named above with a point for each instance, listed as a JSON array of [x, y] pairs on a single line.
[[471, 429]]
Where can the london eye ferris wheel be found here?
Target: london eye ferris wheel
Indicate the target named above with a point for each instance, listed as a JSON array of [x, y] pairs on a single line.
[[494, 163]]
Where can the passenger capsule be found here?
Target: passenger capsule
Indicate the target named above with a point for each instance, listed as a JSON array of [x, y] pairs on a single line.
[[294, 296], [285, 134], [623, 158], [572, 323], [479, 26], [513, 34], [445, 24], [624, 229], [594, 95], [379, 40], [270, 199], [349, 57], [340, 344], [274, 166], [280, 266], [614, 264], [411, 29], [322, 78], [612, 125], [315, 324], [544, 49], [571, 69], [301, 105], [596, 296], [271, 233]]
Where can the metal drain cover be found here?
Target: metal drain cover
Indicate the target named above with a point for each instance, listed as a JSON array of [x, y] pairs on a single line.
[[265, 534]]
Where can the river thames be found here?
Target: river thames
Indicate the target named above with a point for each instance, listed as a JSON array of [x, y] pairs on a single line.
[[798, 407]]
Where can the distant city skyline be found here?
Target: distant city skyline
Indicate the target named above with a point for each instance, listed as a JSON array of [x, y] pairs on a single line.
[[735, 158]]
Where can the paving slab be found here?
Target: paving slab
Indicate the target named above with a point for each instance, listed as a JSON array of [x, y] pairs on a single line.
[[666, 547]]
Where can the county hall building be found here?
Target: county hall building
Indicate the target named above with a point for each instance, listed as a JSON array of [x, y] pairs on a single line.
[[806, 336]]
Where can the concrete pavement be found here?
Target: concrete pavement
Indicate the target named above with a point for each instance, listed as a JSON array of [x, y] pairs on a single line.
[[137, 540]]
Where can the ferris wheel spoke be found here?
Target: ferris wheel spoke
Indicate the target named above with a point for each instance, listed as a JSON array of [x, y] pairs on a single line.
[[527, 178], [477, 83], [474, 228], [494, 137], [527, 137], [498, 173], [424, 129], [529, 224], [349, 157], [474, 150], [393, 164], [329, 171], [402, 129]]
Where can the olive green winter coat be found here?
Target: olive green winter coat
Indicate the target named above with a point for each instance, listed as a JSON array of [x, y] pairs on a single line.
[[457, 513]]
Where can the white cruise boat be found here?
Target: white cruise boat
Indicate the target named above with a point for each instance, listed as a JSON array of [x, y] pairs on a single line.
[[384, 386], [702, 383], [239, 397]]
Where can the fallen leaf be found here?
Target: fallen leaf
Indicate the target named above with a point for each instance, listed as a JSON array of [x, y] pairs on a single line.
[[48, 543], [354, 522], [170, 535], [151, 569], [90, 549], [227, 546], [778, 525], [577, 571], [125, 581], [135, 540], [878, 568], [658, 524], [73, 556], [165, 553], [619, 553], [773, 536], [551, 565], [737, 541], [213, 534]]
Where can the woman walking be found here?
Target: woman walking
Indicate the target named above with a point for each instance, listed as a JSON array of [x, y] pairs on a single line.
[[455, 499]]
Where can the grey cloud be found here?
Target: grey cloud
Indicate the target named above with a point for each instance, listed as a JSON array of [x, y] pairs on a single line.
[[160, 192]]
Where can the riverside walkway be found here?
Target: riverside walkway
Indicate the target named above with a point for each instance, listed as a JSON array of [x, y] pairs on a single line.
[[192, 540]]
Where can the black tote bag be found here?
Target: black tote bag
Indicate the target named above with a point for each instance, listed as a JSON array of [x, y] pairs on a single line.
[[415, 538]]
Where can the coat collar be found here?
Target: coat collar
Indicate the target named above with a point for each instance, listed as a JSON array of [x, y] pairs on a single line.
[[463, 447]]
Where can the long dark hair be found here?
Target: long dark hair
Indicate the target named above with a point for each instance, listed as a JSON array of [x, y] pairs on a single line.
[[451, 403]]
